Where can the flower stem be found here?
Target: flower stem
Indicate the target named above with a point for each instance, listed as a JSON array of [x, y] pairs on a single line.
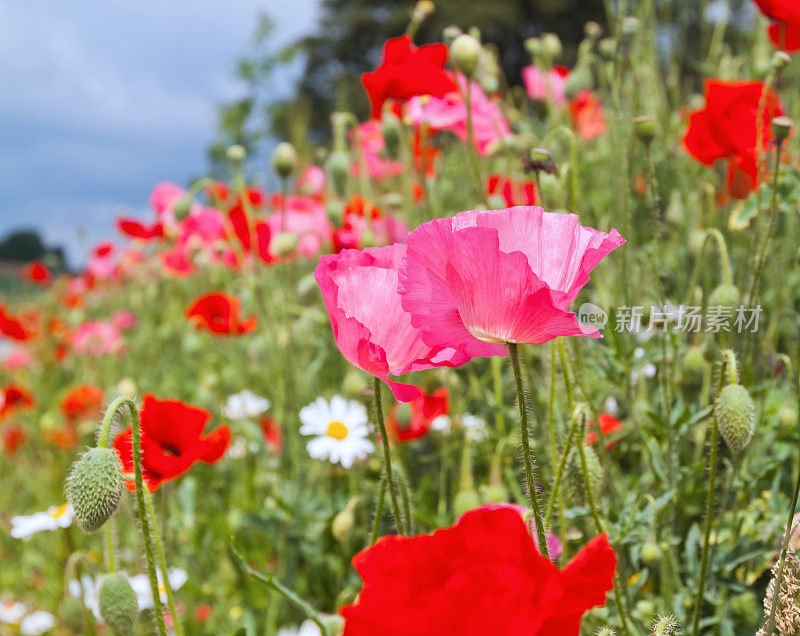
[[109, 536], [376, 523], [526, 450], [162, 562], [387, 460], [562, 463]]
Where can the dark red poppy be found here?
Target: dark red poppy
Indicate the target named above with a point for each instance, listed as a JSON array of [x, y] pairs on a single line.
[[727, 129], [138, 230], [13, 436], [413, 420], [82, 402], [16, 327], [608, 425], [785, 28], [172, 441], [36, 272], [513, 192], [482, 576], [220, 314], [406, 71], [14, 398]]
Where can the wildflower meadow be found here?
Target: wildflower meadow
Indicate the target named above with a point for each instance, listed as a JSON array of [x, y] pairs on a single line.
[[506, 355]]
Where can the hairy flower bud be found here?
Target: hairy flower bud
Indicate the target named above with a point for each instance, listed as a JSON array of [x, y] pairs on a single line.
[[736, 416], [117, 603], [70, 611], [693, 360], [465, 51], [650, 552], [666, 626], [284, 159], [725, 295], [575, 485], [94, 488]]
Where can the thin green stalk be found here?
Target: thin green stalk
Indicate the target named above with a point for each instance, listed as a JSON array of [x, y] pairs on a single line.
[[554, 448], [562, 465], [387, 459], [526, 449], [376, 522], [162, 561], [109, 536]]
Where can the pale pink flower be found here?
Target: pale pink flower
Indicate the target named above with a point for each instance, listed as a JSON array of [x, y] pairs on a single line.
[[370, 328], [368, 138], [123, 319], [311, 182], [102, 263], [17, 358], [450, 113], [546, 86], [305, 217], [97, 338], [163, 198], [484, 278]]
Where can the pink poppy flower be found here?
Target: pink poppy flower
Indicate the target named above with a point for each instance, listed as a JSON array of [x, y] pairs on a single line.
[[546, 86], [305, 217], [17, 358], [450, 113], [102, 263], [484, 278], [368, 139], [123, 319], [163, 198], [370, 328], [97, 338], [311, 182]]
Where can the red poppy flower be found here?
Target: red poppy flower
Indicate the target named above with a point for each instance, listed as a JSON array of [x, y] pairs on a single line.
[[15, 327], [138, 230], [220, 314], [785, 28], [14, 397], [36, 272], [482, 576], [727, 129], [172, 441], [587, 114], [82, 403], [64, 437], [414, 421], [12, 438], [273, 434], [513, 192], [406, 71], [608, 424]]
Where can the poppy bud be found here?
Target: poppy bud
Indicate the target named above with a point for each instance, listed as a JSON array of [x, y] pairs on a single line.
[[725, 295], [533, 46], [607, 47], [182, 207], [450, 33], [236, 154], [465, 501], [70, 611], [342, 524], [780, 60], [551, 190], [422, 10], [495, 493], [605, 630], [645, 128], [592, 30], [338, 167], [575, 486], [736, 416], [94, 488], [782, 127], [666, 626], [693, 360], [580, 79], [650, 552], [744, 609], [630, 26], [284, 159], [496, 202], [787, 415], [551, 45], [284, 244], [126, 387], [390, 129], [117, 603], [465, 51]]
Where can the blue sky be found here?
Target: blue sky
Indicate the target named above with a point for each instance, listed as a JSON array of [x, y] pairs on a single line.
[[101, 99]]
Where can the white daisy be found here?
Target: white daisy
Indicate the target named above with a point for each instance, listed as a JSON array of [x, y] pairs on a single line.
[[141, 585], [339, 428], [86, 590], [24, 527], [37, 623], [245, 405], [12, 612], [474, 426], [308, 628]]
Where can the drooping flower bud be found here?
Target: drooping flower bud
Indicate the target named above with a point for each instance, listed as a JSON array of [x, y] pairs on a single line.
[[736, 416], [725, 295], [465, 51], [94, 488], [651, 552], [780, 60], [342, 525], [284, 159], [70, 611], [182, 207], [575, 485], [117, 603]]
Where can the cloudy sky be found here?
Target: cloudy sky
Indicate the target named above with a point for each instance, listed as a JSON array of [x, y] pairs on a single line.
[[103, 98]]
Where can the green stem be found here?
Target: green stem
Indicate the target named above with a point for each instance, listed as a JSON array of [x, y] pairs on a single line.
[[162, 561], [109, 536], [554, 448], [387, 459], [376, 523], [562, 464], [526, 449]]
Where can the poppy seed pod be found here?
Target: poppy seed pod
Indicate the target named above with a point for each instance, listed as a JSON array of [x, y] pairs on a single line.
[[284, 159], [465, 51], [94, 488], [782, 127], [236, 154], [645, 128], [736, 416], [117, 603], [338, 166]]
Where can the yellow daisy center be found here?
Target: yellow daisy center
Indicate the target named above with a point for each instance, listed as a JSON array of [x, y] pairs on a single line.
[[337, 430], [59, 511]]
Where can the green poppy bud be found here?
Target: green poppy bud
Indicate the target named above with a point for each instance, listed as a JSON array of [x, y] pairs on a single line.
[[117, 603], [70, 611], [342, 524], [338, 167], [736, 416], [650, 552], [284, 244], [725, 295], [465, 501], [94, 488], [236, 154], [284, 159], [465, 51]]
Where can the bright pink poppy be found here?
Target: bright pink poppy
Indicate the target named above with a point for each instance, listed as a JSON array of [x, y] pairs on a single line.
[[483, 278], [406, 71], [547, 86], [305, 217], [368, 138], [449, 112], [369, 326], [97, 338], [163, 198], [219, 314], [311, 182]]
